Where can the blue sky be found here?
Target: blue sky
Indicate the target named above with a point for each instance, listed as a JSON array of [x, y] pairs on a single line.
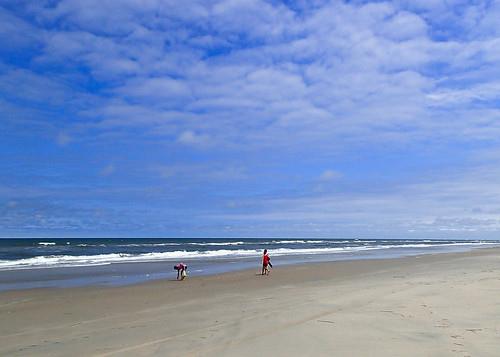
[[233, 118]]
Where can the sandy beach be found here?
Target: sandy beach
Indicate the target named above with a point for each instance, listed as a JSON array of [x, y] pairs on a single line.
[[432, 305]]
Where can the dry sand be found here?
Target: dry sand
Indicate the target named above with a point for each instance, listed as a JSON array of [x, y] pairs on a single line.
[[439, 305]]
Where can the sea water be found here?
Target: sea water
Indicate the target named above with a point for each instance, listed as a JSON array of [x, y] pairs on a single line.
[[31, 263]]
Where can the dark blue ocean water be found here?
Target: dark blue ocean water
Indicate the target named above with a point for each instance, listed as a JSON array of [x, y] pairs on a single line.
[[27, 263]]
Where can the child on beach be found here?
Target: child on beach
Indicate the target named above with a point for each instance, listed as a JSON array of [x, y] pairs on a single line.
[[266, 263], [181, 271]]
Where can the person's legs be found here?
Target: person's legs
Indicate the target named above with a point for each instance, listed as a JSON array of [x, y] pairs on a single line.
[[265, 269]]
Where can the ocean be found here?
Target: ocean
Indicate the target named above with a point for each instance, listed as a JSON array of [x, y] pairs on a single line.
[[39, 263]]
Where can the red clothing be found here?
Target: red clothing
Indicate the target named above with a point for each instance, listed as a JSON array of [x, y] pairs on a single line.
[[265, 259]]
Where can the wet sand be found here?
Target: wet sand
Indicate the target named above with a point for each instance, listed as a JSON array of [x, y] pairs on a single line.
[[432, 305]]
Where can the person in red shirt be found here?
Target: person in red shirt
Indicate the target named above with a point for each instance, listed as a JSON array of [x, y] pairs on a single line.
[[266, 263], [181, 271]]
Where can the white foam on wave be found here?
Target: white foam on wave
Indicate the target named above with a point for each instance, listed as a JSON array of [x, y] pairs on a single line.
[[90, 245], [46, 243], [178, 244], [148, 245], [427, 245], [105, 259], [299, 241], [217, 243]]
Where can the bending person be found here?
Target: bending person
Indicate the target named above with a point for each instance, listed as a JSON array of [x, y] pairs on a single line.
[[181, 271]]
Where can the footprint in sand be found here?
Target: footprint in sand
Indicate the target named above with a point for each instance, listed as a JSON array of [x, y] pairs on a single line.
[[444, 323], [475, 330]]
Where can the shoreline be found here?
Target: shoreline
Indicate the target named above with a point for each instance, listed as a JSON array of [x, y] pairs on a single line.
[[365, 263], [200, 315], [131, 273]]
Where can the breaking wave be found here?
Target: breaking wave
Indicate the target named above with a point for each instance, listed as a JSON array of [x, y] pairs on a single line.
[[48, 261]]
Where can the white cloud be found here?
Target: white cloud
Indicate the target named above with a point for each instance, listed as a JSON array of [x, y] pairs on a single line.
[[63, 139], [329, 175], [404, 26], [192, 138], [108, 170], [156, 89], [460, 203], [271, 82], [338, 69], [200, 172], [16, 34]]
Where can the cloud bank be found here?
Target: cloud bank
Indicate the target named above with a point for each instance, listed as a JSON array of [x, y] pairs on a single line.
[[250, 118]]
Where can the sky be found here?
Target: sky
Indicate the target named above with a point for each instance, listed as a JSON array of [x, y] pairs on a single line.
[[250, 118]]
